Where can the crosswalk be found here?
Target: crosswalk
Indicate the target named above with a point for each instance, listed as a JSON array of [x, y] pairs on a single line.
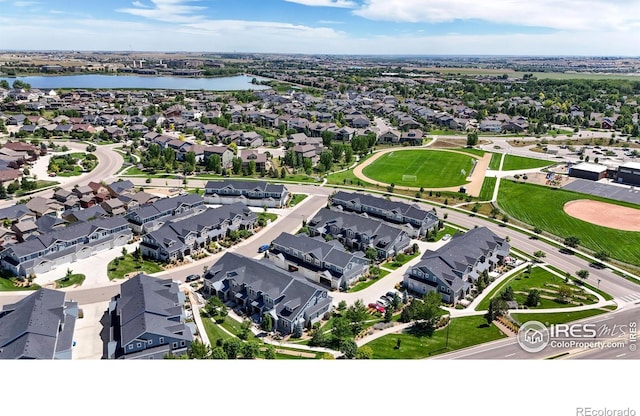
[[634, 297]]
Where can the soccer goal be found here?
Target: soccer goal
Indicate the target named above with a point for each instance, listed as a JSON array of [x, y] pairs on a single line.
[[409, 178]]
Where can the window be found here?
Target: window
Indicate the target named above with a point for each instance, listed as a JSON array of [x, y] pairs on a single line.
[[175, 345], [182, 343], [130, 346], [139, 345], [150, 342], [161, 340]]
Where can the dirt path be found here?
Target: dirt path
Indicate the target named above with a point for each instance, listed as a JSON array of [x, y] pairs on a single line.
[[473, 187]]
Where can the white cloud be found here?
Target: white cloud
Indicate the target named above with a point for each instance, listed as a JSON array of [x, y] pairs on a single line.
[[560, 15], [347, 4], [165, 10]]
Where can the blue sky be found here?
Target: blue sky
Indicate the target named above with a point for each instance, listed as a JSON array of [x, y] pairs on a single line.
[[416, 27]]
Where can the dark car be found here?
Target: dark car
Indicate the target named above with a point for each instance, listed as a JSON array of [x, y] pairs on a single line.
[[192, 277], [263, 248]]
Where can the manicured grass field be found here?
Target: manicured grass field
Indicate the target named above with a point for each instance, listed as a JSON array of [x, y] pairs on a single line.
[[544, 281], [214, 332], [463, 332], [432, 169], [7, 285], [495, 161], [128, 265], [486, 192], [477, 152], [541, 206], [74, 279], [556, 318], [296, 199], [512, 162]]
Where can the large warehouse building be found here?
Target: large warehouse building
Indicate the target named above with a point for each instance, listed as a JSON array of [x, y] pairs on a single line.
[[629, 173], [589, 171]]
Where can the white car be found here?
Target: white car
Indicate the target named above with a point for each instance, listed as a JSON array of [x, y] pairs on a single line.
[[446, 237]]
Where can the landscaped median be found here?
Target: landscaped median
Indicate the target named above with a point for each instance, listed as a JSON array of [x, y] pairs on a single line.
[[459, 333], [122, 266]]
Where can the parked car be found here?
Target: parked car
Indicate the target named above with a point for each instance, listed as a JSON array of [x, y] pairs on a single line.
[[377, 307], [446, 237], [382, 302], [263, 248], [392, 293], [192, 278]]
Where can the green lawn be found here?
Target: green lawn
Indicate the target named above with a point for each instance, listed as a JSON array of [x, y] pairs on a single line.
[[486, 192], [345, 178], [233, 326], [512, 162], [267, 216], [495, 161], [477, 152], [363, 285], [74, 279], [431, 168], [296, 199], [463, 332], [7, 285], [128, 265], [214, 332], [543, 207], [558, 317], [401, 260], [39, 185], [542, 280], [76, 171]]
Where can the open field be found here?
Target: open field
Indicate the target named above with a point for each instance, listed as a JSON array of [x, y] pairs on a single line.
[[544, 208], [556, 317], [512, 162], [463, 332], [486, 193], [430, 169]]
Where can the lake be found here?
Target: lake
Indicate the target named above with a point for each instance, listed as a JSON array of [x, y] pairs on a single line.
[[237, 83]]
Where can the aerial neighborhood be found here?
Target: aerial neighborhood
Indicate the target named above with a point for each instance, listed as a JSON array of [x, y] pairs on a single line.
[[351, 208]]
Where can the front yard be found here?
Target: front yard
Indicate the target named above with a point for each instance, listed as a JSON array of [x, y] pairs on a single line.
[[123, 265]]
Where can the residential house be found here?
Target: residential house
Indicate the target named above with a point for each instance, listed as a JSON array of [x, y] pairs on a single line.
[[259, 288], [120, 187], [357, 232], [416, 221], [250, 193], [148, 320], [413, 137], [326, 263], [45, 252], [225, 154], [178, 238], [151, 216], [260, 159], [453, 269], [40, 326], [43, 206]]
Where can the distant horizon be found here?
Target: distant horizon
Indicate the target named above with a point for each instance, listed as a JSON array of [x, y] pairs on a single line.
[[579, 28], [407, 55]]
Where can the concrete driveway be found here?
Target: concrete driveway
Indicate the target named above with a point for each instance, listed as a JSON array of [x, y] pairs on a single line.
[[89, 345]]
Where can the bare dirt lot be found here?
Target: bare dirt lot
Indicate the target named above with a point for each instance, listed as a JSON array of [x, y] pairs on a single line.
[[606, 215]]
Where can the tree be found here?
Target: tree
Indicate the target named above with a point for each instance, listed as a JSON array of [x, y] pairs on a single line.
[[297, 330], [565, 293], [602, 255], [342, 305], [218, 353], [214, 163], [236, 165], [251, 349], [424, 311], [497, 307], [583, 274], [3, 191], [348, 154], [357, 314], [267, 323], [472, 139], [371, 253], [245, 329], [539, 254], [269, 353], [533, 298], [572, 241], [318, 338], [364, 353], [507, 294], [341, 329], [232, 347], [388, 314], [349, 348], [199, 350], [326, 160], [537, 230]]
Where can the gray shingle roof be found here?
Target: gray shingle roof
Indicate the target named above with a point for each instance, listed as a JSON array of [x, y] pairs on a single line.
[[150, 305], [30, 327]]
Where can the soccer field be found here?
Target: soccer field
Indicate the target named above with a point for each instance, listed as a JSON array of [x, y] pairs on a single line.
[[421, 168]]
